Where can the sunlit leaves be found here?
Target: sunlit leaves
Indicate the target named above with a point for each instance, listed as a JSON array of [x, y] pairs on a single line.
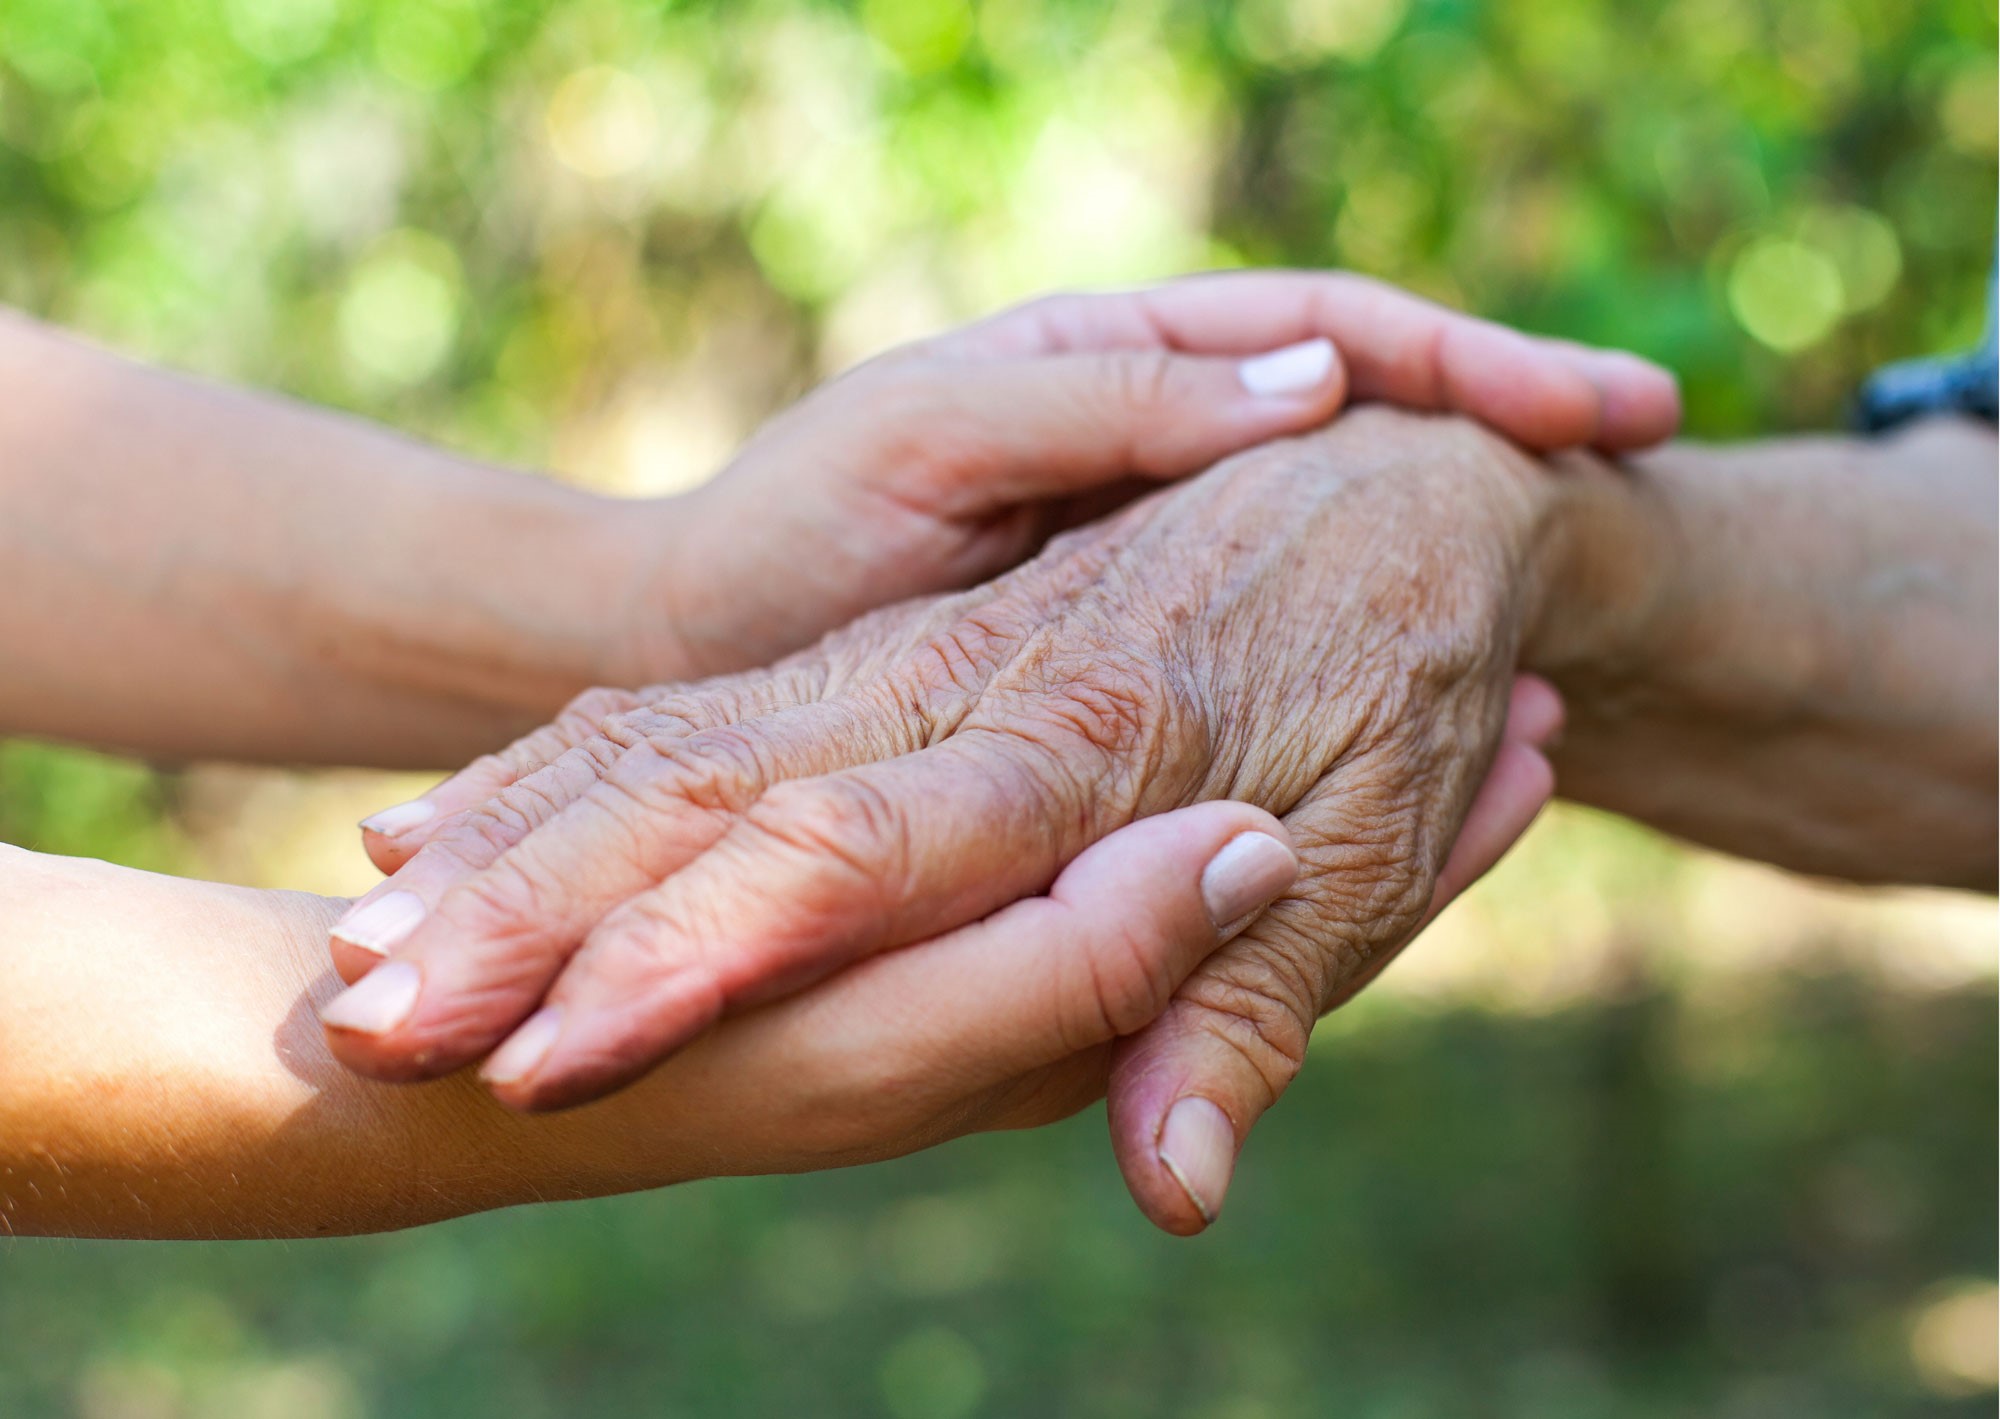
[[400, 311], [1785, 293]]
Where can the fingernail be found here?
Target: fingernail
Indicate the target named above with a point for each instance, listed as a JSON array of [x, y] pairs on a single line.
[[524, 1050], [401, 818], [1288, 371], [380, 924], [1198, 1146], [1248, 873], [378, 1003]]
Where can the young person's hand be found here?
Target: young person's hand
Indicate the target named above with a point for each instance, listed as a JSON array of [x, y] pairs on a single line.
[[947, 461]]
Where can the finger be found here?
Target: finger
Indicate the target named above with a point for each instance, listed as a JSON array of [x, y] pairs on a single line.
[[1049, 976], [1185, 1092], [391, 835], [469, 842], [1546, 394], [465, 966], [1517, 788], [916, 1045], [1029, 428], [1641, 402], [1534, 711], [1397, 348], [817, 874], [395, 835], [452, 848]]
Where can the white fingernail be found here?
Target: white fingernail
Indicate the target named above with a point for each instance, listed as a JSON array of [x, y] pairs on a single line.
[[1248, 873], [379, 925], [1288, 371], [378, 1002], [525, 1049], [401, 818], [1198, 1146]]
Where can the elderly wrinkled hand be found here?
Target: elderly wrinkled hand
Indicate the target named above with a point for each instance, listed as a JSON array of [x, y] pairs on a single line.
[[1325, 628]]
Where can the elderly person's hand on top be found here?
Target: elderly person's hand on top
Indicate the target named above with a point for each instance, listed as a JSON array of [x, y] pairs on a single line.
[[1326, 628]]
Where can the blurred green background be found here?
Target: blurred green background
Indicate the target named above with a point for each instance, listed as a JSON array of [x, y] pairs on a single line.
[[1635, 1133]]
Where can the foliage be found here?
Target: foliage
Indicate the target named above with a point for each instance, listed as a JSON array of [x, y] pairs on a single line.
[[607, 236]]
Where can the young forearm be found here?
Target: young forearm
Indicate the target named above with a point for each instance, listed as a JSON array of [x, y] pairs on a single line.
[[199, 571], [162, 1074], [1786, 650]]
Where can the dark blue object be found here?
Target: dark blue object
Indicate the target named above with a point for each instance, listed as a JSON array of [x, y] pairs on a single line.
[[1964, 384]]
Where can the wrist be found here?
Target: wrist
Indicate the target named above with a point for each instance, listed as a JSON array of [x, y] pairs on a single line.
[[534, 591], [334, 1153], [1600, 566], [1569, 544], [638, 557]]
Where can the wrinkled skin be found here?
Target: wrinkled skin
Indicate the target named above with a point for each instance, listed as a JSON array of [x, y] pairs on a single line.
[[1325, 628]]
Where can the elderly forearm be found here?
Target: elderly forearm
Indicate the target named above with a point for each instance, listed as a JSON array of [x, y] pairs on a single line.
[[162, 1075], [198, 571], [1787, 649]]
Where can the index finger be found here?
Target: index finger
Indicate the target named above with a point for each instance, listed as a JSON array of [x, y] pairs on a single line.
[[1399, 348]]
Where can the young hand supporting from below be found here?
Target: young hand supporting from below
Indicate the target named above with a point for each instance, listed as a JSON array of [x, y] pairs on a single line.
[[163, 1076]]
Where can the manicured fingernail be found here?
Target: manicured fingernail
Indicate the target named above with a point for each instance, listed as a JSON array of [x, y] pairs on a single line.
[[1198, 1146], [378, 1003], [401, 818], [1248, 873], [1288, 371], [524, 1050], [380, 924]]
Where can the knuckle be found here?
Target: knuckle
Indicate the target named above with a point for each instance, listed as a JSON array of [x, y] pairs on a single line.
[[1042, 776], [600, 754], [663, 720], [899, 401], [721, 770], [1358, 896], [485, 832], [633, 943], [514, 898], [1129, 985], [843, 823], [1108, 731], [594, 706], [963, 654], [1365, 890], [1139, 383], [1260, 1004], [1114, 708], [1058, 315]]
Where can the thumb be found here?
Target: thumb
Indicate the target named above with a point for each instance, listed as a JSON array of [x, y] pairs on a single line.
[[996, 433], [1185, 1091]]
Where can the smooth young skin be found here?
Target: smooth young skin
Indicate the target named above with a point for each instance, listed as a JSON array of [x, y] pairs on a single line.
[[196, 571], [1326, 628]]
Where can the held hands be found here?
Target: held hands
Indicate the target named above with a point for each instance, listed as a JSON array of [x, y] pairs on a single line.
[[1324, 628], [924, 469]]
